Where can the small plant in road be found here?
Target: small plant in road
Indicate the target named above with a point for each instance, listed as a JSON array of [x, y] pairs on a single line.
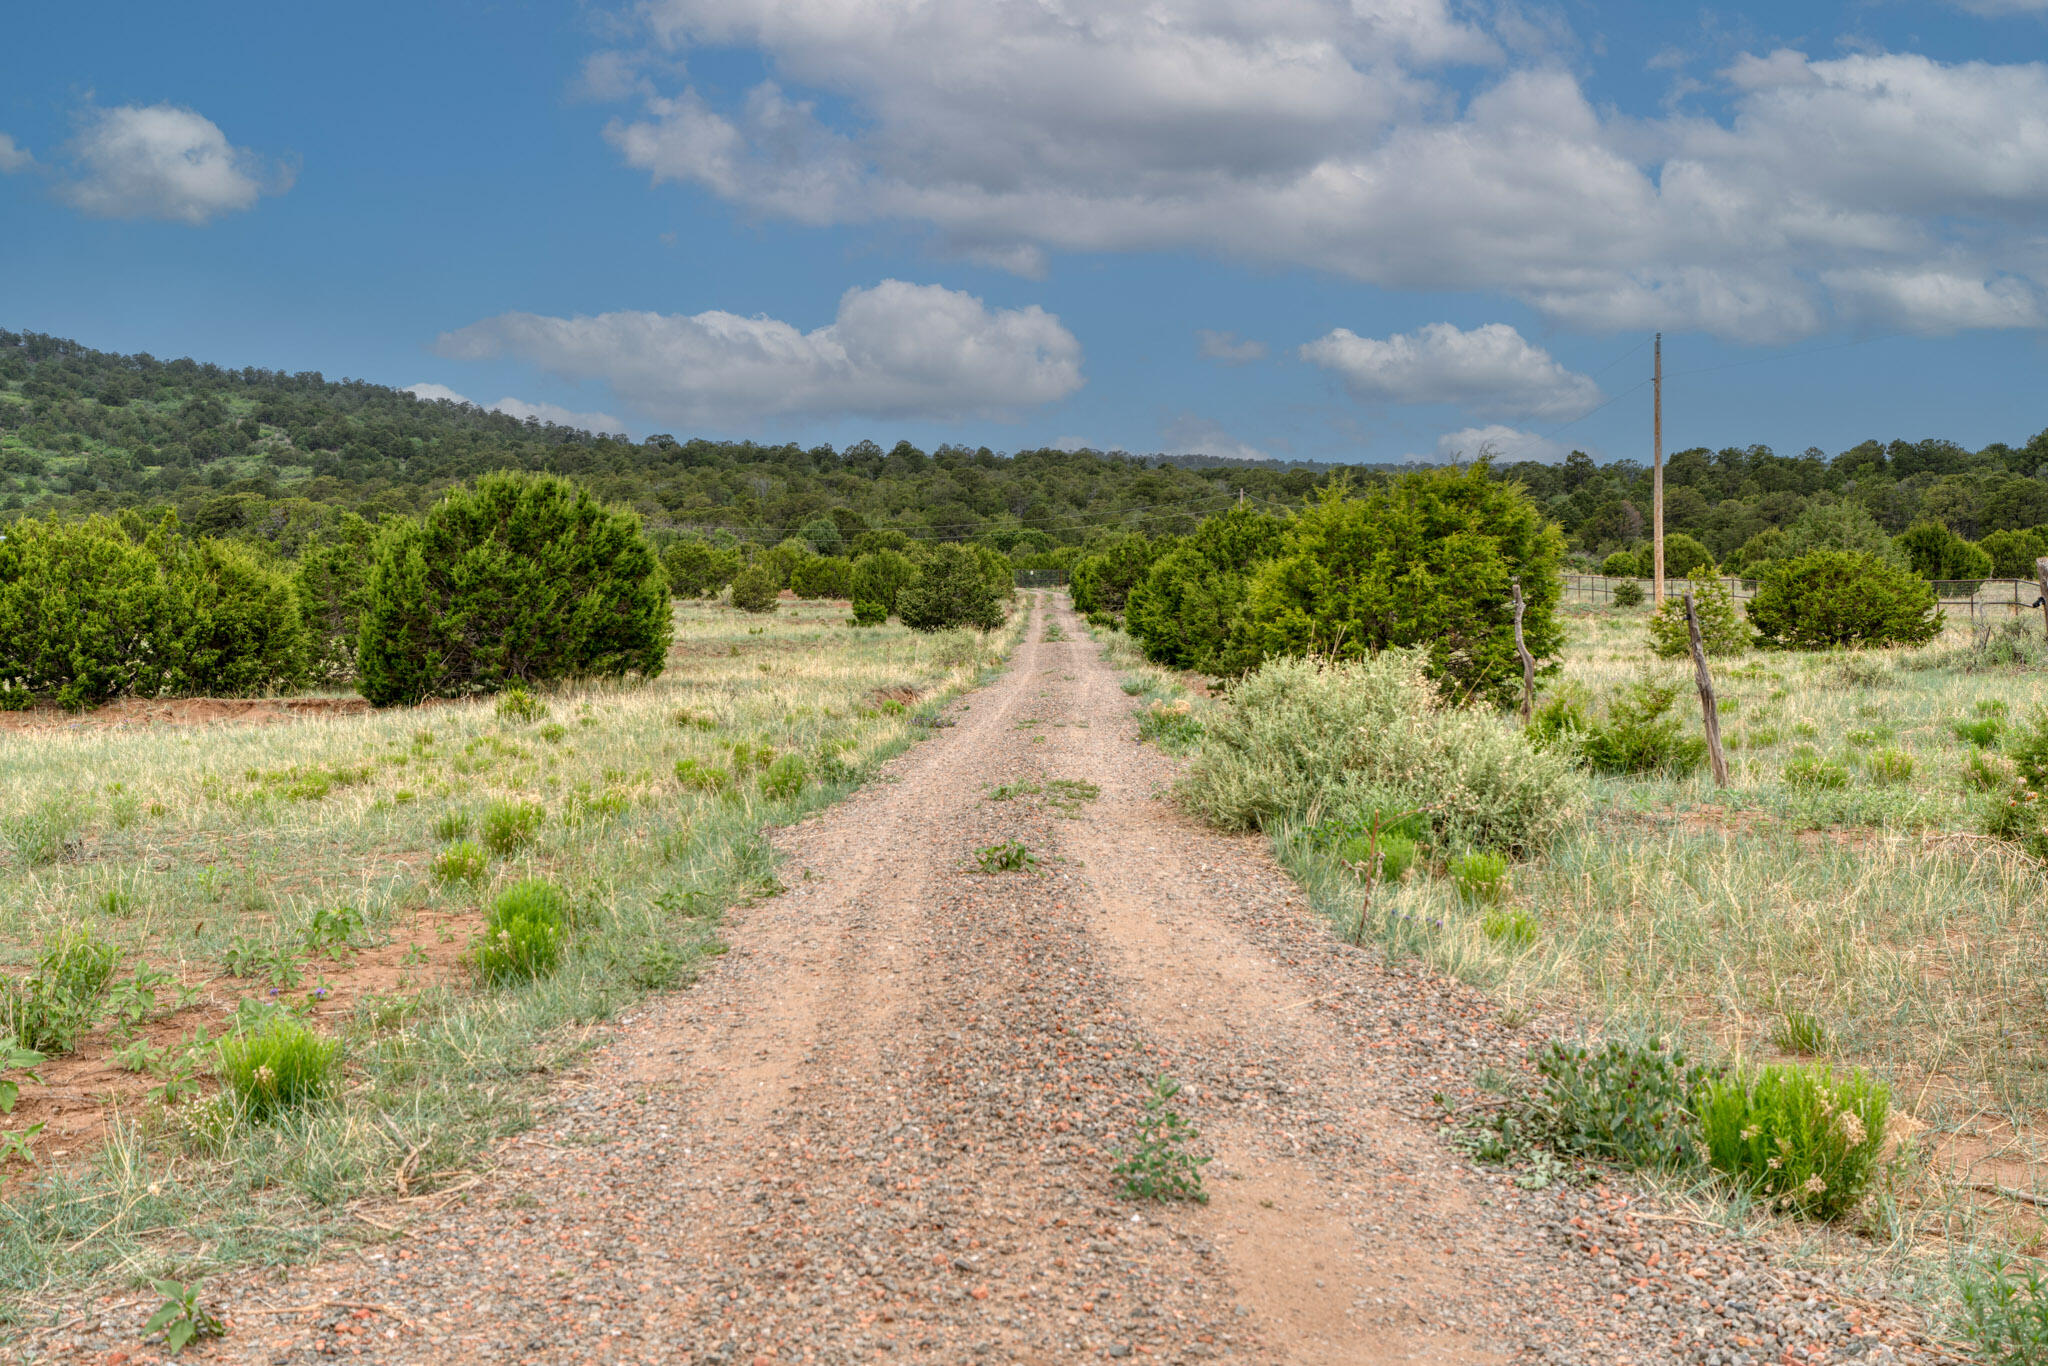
[[1007, 857], [1159, 1165], [180, 1318]]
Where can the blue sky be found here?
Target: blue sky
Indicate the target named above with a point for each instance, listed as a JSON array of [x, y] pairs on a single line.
[[1306, 229]]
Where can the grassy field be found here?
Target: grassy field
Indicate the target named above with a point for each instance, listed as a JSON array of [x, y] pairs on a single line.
[[335, 871]]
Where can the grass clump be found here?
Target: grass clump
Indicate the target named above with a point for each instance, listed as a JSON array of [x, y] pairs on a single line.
[[1801, 1031], [276, 1066], [1512, 928], [1311, 740], [462, 861], [63, 997], [785, 778], [1983, 731], [510, 826], [1172, 725], [2003, 1313], [518, 705], [1480, 877], [1159, 1165], [1799, 1135], [522, 937], [46, 832], [451, 825], [702, 777], [1806, 769], [1890, 767]]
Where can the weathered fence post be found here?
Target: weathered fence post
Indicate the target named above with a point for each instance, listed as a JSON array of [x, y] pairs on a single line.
[[1709, 712], [1528, 663], [2041, 576]]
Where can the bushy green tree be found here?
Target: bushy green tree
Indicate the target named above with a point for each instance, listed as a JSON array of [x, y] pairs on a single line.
[[824, 537], [233, 626], [879, 576], [952, 588], [83, 613], [332, 582], [754, 590], [822, 576], [1104, 577], [1622, 564], [1759, 550], [1684, 556], [1934, 552], [1184, 611], [2013, 552], [782, 559], [1839, 597], [697, 569], [1427, 560], [519, 579], [1838, 526]]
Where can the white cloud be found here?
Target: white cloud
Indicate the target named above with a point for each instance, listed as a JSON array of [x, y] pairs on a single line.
[[163, 161], [1228, 347], [1324, 133], [1191, 435], [897, 350], [1505, 444], [1491, 369], [520, 408], [1996, 8], [13, 156]]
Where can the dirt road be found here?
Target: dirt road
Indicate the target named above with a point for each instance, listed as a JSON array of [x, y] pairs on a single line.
[[881, 1128]]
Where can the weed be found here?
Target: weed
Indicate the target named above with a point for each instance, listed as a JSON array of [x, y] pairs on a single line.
[[1889, 767], [518, 705], [245, 957], [1172, 725], [1135, 686], [1982, 732], [462, 861], [180, 1318], [1159, 1165], [334, 930], [278, 1065], [1988, 772], [510, 826], [1010, 791], [522, 936], [19, 1144], [1480, 877], [1626, 1101], [453, 825], [115, 903], [1070, 794], [746, 756], [62, 999], [1052, 632], [1007, 857], [1800, 1135], [702, 777], [1801, 1031], [658, 967], [553, 732], [45, 833], [2004, 1313], [16, 1059]]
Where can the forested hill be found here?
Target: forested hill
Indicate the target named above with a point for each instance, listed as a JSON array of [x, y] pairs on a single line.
[[269, 453]]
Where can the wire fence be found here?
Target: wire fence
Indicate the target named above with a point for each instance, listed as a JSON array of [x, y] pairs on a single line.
[[1972, 599]]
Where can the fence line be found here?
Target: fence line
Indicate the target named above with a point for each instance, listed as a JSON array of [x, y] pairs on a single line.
[[1970, 598]]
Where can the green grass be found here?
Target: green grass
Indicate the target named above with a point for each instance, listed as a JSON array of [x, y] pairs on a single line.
[[207, 861]]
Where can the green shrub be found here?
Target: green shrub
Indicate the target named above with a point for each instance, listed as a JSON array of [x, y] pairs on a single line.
[[509, 826], [517, 705], [869, 613], [233, 626], [1184, 611], [1512, 928], [1800, 1136], [277, 1066], [1426, 562], [64, 996], [1684, 557], [953, 588], [1626, 1102], [1622, 564], [1480, 877], [1628, 594], [2028, 747], [522, 935], [1806, 769], [1101, 580], [1301, 740], [1834, 598], [332, 584], [1388, 858], [1934, 552], [822, 576], [695, 568], [462, 861], [878, 577], [1723, 633], [521, 578], [1559, 722], [84, 612], [785, 778], [1640, 735], [2013, 552], [754, 589]]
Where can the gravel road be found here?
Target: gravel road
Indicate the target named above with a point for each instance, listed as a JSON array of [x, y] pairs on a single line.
[[881, 1128]]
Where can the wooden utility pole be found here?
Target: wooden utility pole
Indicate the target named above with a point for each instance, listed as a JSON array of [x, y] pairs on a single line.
[[1710, 714], [1528, 663], [2041, 576], [1657, 468]]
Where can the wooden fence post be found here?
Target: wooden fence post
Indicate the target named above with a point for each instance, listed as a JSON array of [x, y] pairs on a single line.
[[2041, 575], [1528, 663], [1710, 713]]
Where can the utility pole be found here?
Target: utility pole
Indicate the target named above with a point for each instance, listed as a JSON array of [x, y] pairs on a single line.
[[1657, 466]]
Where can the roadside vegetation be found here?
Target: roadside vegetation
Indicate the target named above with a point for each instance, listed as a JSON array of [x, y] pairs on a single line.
[[280, 977]]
